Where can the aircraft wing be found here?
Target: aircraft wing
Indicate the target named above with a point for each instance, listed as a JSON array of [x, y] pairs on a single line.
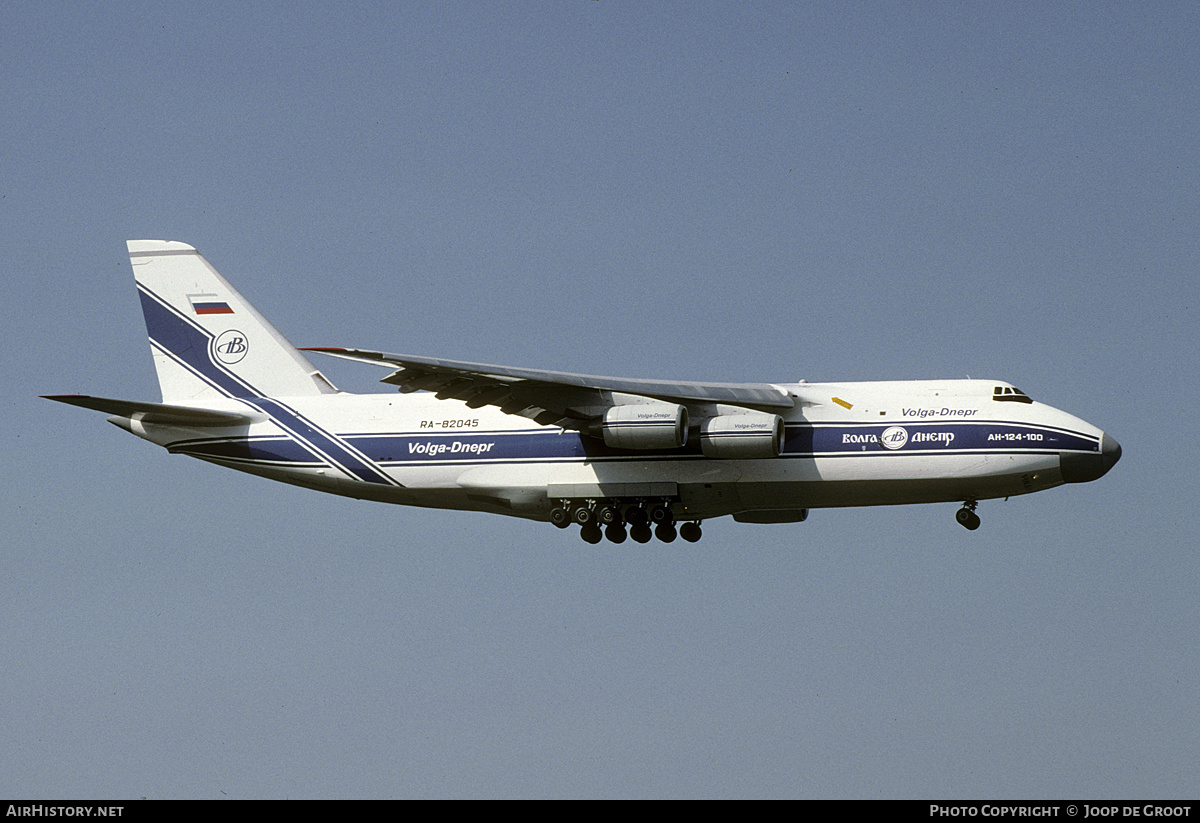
[[554, 398], [155, 413]]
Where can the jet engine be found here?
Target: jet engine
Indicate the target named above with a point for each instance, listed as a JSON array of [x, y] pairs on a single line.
[[742, 436], [645, 426]]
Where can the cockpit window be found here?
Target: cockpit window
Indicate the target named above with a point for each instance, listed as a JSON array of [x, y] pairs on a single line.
[[1007, 394]]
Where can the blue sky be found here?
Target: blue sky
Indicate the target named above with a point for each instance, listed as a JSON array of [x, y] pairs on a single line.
[[700, 191]]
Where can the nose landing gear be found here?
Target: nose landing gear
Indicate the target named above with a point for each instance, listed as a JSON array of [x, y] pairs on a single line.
[[966, 516]]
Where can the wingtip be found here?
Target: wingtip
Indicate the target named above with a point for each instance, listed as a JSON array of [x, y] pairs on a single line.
[[143, 246]]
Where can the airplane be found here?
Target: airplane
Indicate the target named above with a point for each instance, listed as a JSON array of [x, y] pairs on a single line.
[[618, 457]]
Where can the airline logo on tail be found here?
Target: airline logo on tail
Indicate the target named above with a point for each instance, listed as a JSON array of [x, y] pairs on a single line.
[[231, 347]]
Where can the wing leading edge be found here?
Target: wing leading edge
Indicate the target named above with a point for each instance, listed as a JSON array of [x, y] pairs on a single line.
[[551, 397]]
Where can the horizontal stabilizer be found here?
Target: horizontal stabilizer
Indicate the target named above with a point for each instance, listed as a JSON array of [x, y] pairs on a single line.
[[154, 413]]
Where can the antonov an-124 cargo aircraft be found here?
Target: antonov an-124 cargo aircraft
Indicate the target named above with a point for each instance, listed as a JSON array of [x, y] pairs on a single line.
[[618, 457]]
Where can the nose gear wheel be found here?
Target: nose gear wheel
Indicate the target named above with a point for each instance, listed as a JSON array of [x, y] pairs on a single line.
[[966, 516]]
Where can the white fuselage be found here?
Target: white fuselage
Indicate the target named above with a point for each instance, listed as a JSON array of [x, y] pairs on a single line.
[[848, 444]]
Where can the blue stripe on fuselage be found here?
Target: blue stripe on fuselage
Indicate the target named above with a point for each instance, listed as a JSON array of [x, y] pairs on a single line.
[[189, 345], [410, 449], [333, 448], [941, 437]]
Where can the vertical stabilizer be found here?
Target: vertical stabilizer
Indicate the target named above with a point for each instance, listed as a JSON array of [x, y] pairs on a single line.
[[207, 341]]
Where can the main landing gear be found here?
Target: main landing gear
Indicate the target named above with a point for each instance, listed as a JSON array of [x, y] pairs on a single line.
[[966, 516], [602, 519]]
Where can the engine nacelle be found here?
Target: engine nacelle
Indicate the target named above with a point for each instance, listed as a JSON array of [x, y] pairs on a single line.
[[645, 426], [742, 436]]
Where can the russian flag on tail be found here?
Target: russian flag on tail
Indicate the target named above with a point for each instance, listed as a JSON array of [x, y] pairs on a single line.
[[209, 304]]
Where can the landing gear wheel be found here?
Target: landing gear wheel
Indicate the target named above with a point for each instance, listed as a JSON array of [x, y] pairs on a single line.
[[582, 515], [690, 532], [640, 533], [636, 516], [660, 514], [665, 532], [560, 517], [967, 518], [615, 532], [608, 515], [591, 533]]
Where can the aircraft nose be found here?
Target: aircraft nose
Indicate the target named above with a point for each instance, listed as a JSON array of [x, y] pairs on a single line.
[[1083, 468], [1110, 452]]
